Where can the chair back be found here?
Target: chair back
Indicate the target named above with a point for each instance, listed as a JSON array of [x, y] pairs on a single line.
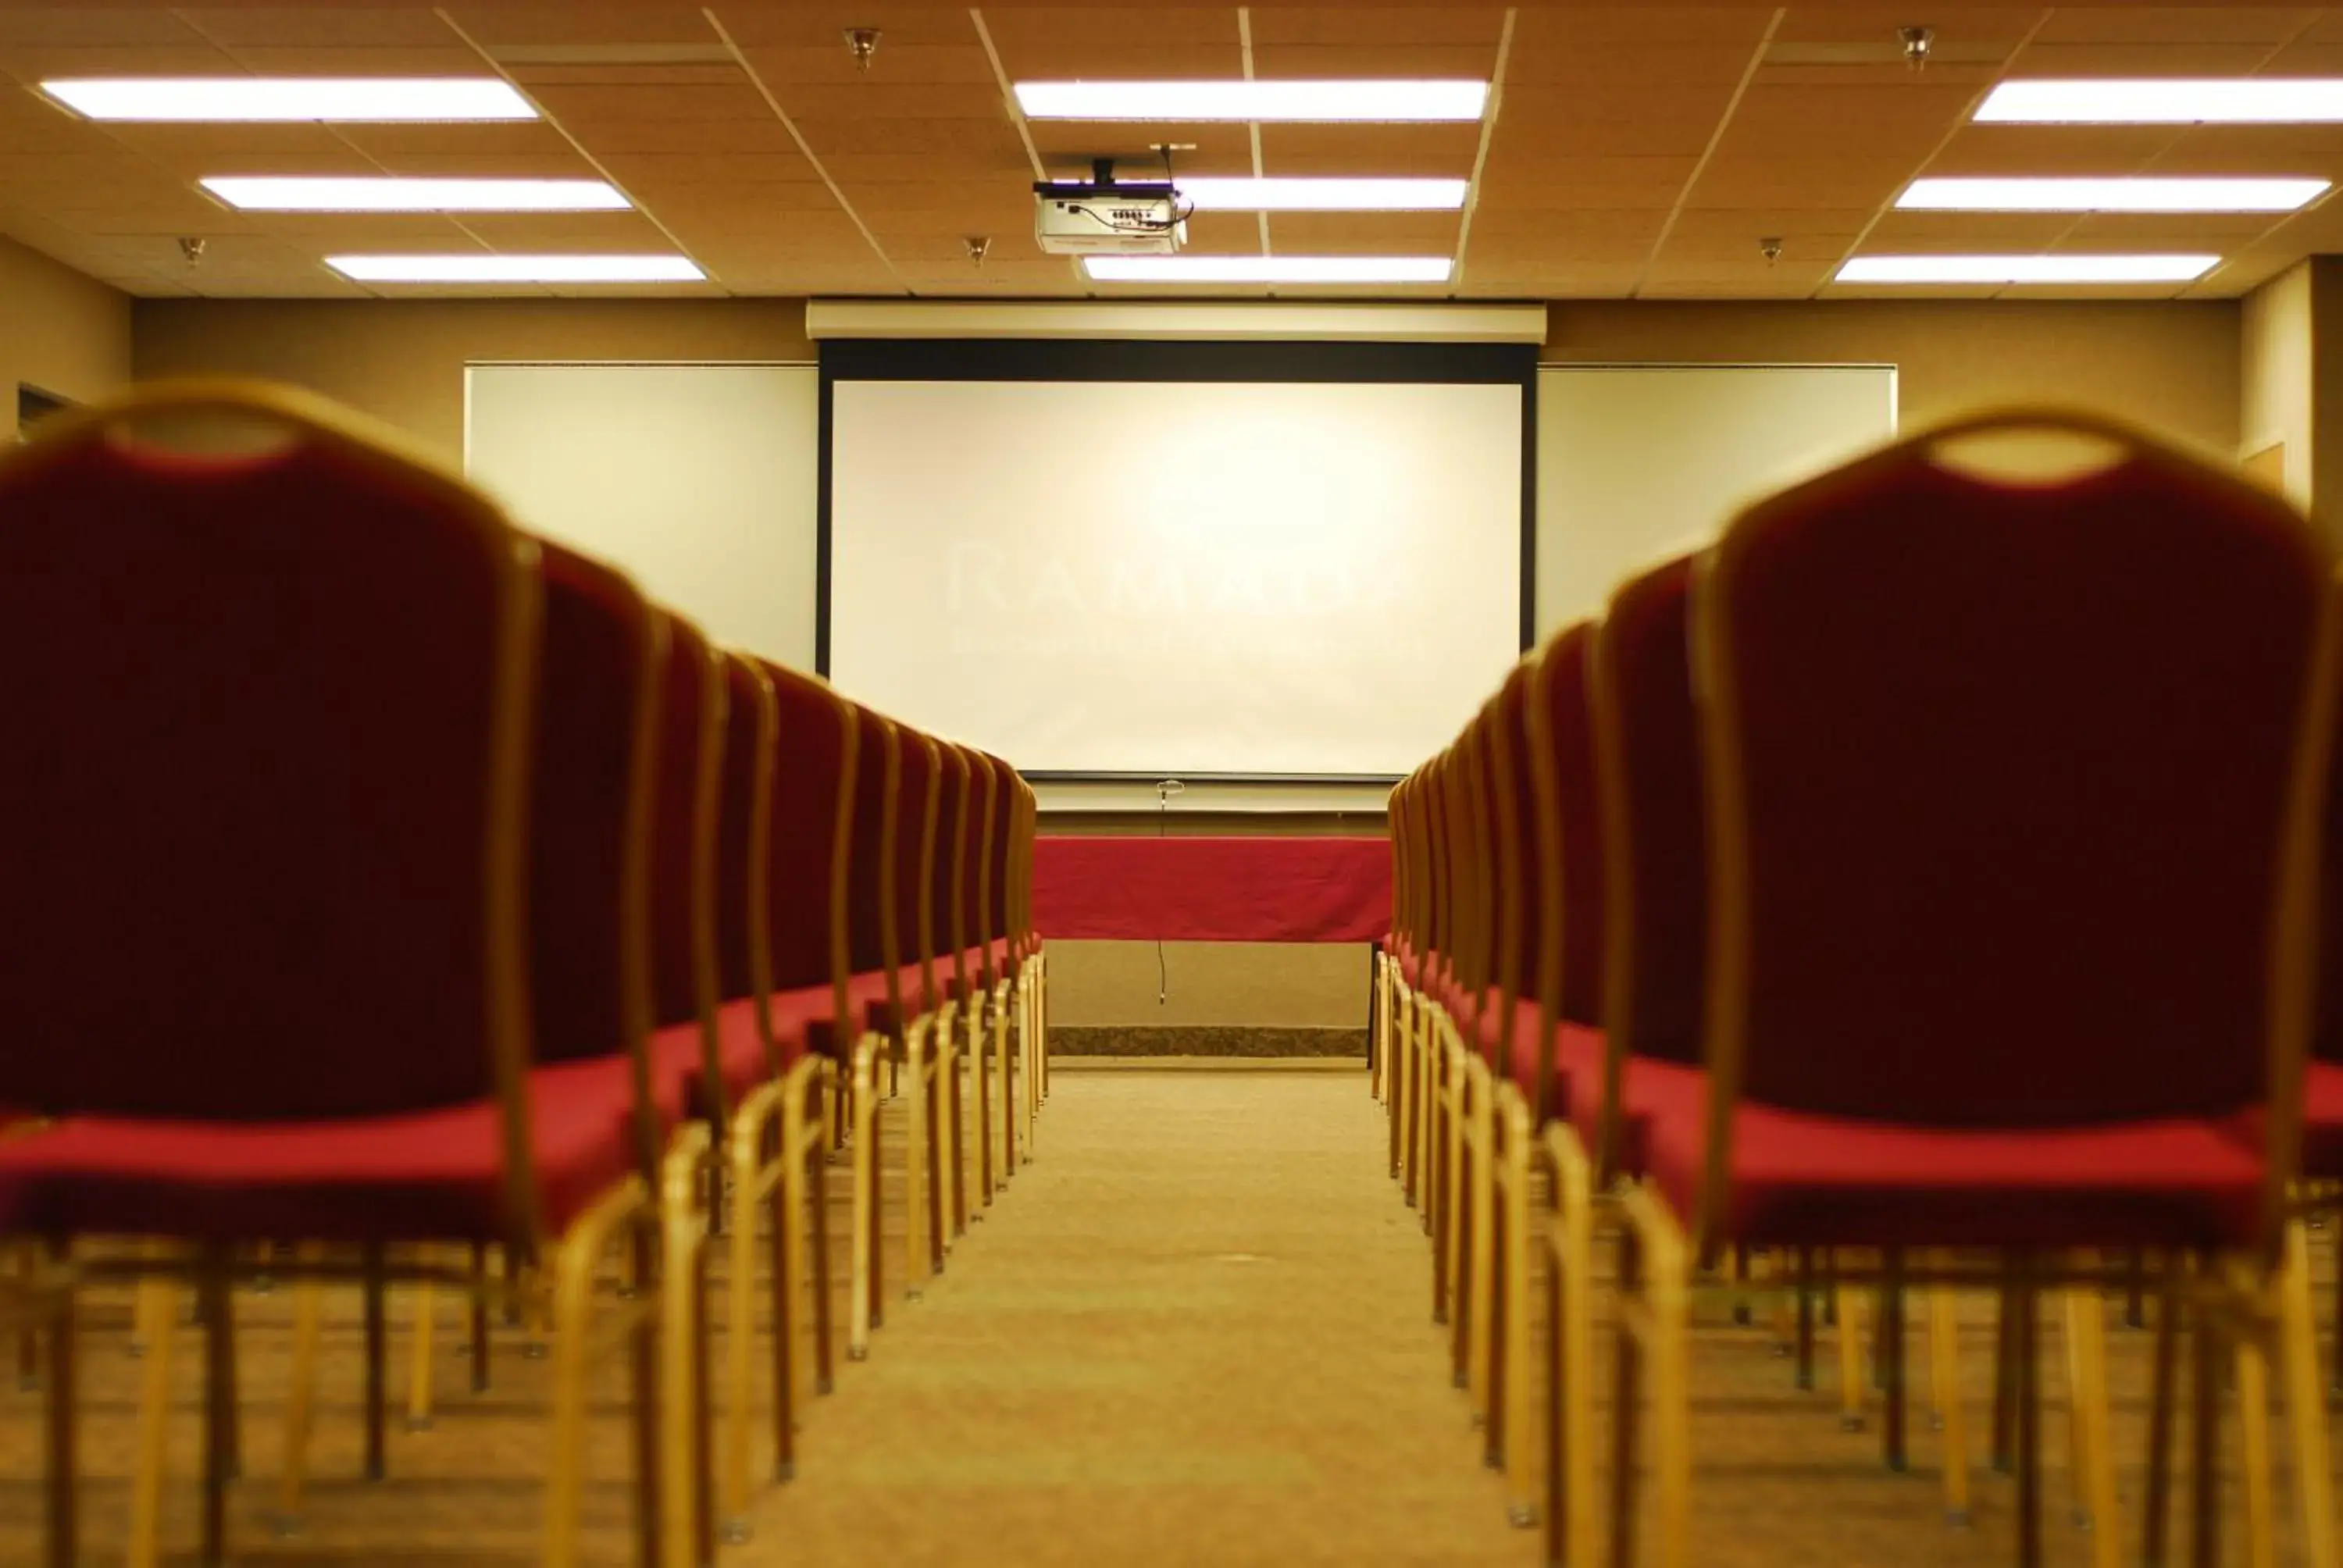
[[812, 832], [268, 723], [1654, 827], [871, 860], [602, 666], [688, 772], [1512, 817], [599, 668], [911, 887], [743, 828], [1569, 834], [984, 930], [2015, 792], [941, 963], [958, 885]]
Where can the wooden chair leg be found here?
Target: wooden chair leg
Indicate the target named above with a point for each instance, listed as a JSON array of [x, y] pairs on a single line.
[[1481, 1284], [860, 1318], [1805, 1346], [745, 1144], [916, 1175], [1574, 1177], [2204, 1403], [418, 1358], [1520, 1506], [480, 1317], [676, 1398], [2079, 1434], [375, 1287], [1851, 1382], [1626, 1406], [2026, 1403], [300, 1398], [28, 1339], [980, 1038], [2162, 1400], [2306, 1404], [2252, 1371], [2004, 1447], [1560, 1514], [1670, 1292], [61, 1516], [1888, 1352], [159, 1307], [1944, 1363], [817, 1175], [576, 1259], [2089, 1319], [219, 1405]]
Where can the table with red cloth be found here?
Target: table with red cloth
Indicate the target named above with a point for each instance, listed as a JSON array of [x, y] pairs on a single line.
[[1319, 888]]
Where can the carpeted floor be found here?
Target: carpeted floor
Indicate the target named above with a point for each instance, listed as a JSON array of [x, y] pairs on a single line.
[[1194, 1331]]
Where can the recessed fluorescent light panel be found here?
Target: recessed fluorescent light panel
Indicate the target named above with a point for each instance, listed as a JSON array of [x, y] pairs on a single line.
[[355, 99], [1213, 194], [1267, 269], [2025, 268], [371, 193], [1309, 100], [486, 268], [2144, 194], [2234, 100]]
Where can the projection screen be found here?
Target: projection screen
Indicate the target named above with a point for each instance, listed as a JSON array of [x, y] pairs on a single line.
[[1206, 576]]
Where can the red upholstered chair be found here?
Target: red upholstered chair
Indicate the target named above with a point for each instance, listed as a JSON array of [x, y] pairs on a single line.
[[876, 981], [998, 890], [1033, 982], [979, 961], [332, 649], [907, 916], [958, 969], [1949, 727], [778, 1139]]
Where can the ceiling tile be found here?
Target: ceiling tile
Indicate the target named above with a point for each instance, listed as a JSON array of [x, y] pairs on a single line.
[[1369, 149], [584, 23], [2177, 24]]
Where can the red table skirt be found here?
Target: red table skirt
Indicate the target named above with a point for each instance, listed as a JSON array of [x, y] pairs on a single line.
[[1308, 889]]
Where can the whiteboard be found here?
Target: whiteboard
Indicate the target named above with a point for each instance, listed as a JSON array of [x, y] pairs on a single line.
[[697, 479], [1637, 463]]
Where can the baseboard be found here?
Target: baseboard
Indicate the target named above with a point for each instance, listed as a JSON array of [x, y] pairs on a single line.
[[1347, 1065], [1205, 1041]]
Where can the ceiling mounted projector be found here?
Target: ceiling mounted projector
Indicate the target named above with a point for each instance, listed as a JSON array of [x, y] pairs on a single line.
[[1103, 216]]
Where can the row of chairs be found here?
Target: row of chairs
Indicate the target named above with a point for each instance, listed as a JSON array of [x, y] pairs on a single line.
[[1917, 889], [393, 895]]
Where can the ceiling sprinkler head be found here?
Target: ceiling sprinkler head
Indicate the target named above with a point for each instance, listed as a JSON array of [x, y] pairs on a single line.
[[863, 43], [1770, 248], [192, 248], [1916, 43], [980, 246]]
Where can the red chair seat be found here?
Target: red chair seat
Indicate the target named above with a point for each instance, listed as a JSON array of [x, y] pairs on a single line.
[[1648, 1090], [2322, 1122], [1831, 1181], [430, 1175], [675, 1059], [1575, 1051]]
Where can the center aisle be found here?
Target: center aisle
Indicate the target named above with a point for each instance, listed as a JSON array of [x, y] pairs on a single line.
[[1196, 1329]]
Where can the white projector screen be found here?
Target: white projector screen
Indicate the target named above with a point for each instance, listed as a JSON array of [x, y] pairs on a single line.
[[1179, 577]]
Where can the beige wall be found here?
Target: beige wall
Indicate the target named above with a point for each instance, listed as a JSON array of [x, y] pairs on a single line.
[[403, 361], [59, 331], [2274, 391], [2171, 367]]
